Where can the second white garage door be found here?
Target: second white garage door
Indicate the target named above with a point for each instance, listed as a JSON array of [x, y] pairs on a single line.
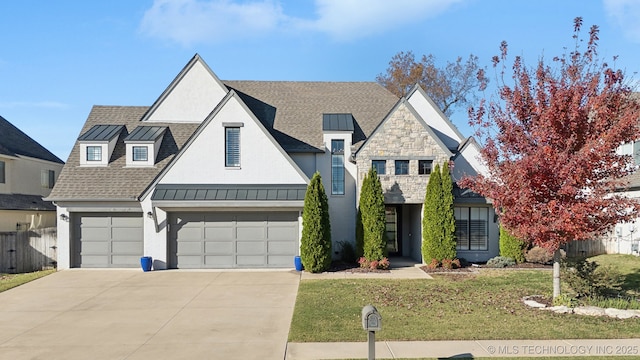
[[232, 239]]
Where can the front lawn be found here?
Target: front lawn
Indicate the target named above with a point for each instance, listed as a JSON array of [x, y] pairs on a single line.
[[8, 281], [450, 307]]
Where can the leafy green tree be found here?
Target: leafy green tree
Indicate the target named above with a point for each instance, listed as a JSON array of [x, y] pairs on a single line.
[[315, 247], [448, 246], [432, 222], [372, 212], [511, 246]]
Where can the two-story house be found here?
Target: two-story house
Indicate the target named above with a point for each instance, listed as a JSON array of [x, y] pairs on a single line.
[[28, 172], [214, 173]]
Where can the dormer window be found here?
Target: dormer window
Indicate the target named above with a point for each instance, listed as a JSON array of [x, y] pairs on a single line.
[[97, 144], [143, 145]]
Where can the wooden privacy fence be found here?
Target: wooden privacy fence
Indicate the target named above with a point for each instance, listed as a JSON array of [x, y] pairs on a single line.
[[603, 245], [27, 251]]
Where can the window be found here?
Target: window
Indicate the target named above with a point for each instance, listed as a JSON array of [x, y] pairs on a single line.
[[380, 166], [140, 153], [424, 167], [402, 167], [47, 179], [94, 153], [337, 167], [232, 147], [472, 228], [2, 177]]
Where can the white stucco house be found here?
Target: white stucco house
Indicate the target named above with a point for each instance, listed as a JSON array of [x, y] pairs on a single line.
[[28, 171], [214, 173]]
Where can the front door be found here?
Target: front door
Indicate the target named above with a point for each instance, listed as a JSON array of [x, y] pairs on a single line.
[[393, 230]]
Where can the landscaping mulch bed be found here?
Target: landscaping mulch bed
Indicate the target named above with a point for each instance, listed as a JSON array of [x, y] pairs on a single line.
[[339, 266], [474, 268]]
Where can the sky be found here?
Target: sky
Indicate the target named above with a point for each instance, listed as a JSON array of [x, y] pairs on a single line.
[[59, 58]]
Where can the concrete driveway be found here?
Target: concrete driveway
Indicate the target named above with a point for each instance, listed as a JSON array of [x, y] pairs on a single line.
[[129, 314]]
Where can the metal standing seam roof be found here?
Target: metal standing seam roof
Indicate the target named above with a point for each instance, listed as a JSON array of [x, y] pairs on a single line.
[[101, 133], [337, 122], [210, 192], [146, 133]]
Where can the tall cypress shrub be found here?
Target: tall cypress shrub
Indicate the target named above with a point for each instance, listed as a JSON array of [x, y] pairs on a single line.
[[365, 193], [374, 220], [315, 247], [432, 222], [448, 248]]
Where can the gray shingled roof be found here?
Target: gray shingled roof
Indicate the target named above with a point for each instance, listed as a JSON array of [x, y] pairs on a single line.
[[25, 202], [116, 181], [15, 142], [293, 111]]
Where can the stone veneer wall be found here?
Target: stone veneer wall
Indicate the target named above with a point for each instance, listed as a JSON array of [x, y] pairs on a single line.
[[401, 137]]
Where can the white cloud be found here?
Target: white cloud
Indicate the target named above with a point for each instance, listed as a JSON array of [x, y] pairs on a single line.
[[625, 14], [351, 19], [34, 104], [195, 21]]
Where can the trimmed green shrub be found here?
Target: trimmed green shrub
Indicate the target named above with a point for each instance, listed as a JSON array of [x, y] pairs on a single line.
[[372, 213], [315, 247], [511, 246], [500, 262], [438, 221]]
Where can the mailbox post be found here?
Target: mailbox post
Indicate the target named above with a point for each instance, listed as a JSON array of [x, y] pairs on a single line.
[[371, 322]]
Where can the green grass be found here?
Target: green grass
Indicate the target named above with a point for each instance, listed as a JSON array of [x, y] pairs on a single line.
[[628, 265], [450, 307], [9, 281]]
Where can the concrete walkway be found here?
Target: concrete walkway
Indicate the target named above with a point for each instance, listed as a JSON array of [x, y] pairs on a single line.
[[132, 315], [465, 349], [401, 268]]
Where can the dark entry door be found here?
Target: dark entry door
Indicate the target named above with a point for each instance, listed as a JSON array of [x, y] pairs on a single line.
[[393, 217]]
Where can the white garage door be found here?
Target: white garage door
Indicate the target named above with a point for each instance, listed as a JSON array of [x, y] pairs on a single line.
[[107, 240], [233, 239]]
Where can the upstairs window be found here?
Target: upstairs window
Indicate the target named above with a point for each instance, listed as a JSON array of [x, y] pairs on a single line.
[[140, 153], [232, 147], [337, 167], [402, 167], [48, 179], [94, 153], [424, 167], [380, 166], [2, 176]]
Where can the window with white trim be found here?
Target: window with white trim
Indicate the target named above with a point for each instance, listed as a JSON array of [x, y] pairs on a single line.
[[140, 153], [232, 146], [472, 228], [337, 167], [94, 153]]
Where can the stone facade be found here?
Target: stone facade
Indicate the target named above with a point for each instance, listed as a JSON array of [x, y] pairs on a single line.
[[401, 137]]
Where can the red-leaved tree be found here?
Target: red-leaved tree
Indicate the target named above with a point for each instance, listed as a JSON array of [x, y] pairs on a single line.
[[550, 146]]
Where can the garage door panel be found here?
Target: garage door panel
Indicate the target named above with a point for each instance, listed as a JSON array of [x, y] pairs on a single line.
[[280, 260], [127, 247], [250, 247], [125, 222], [218, 261], [89, 221], [95, 234], [95, 247], [124, 234], [233, 239], [218, 247], [125, 260], [219, 233], [94, 261], [248, 233], [280, 247]]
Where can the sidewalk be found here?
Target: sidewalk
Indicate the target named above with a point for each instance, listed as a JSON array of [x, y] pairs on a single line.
[[466, 349]]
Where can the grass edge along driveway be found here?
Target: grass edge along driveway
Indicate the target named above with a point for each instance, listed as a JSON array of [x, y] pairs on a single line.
[[485, 306]]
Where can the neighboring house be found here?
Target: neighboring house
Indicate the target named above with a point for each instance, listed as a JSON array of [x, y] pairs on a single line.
[[28, 172], [214, 173]]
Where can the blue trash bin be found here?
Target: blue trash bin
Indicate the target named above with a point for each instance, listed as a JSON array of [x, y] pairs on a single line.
[[146, 262], [298, 263]]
